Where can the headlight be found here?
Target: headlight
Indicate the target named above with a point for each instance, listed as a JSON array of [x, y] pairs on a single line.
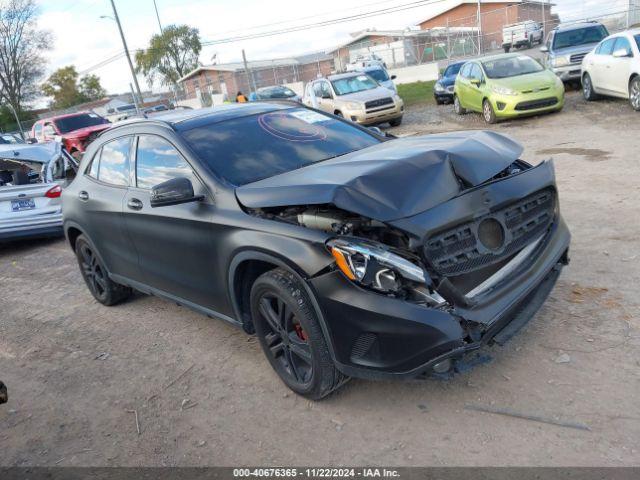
[[354, 105], [439, 88], [503, 90], [559, 62], [372, 264]]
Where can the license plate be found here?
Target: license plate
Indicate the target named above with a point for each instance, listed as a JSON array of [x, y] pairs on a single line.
[[22, 204]]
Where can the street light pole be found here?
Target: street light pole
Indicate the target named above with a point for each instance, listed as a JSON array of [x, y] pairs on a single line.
[[157, 15], [126, 51], [479, 29]]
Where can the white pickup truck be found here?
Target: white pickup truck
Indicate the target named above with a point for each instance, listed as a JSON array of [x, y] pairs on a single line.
[[523, 34]]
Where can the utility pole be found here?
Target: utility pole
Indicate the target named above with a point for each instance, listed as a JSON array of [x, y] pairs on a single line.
[[157, 15], [126, 51], [479, 29], [250, 79], [15, 114]]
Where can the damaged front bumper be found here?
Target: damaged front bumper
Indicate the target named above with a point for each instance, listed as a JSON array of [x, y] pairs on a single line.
[[375, 336], [379, 336]]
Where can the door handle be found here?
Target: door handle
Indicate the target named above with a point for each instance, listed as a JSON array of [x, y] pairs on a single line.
[[134, 204], [84, 196]]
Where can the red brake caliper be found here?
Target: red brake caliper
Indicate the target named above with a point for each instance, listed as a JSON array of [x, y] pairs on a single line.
[[300, 332]]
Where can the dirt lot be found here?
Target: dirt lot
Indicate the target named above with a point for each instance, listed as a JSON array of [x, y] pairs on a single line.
[[76, 370]]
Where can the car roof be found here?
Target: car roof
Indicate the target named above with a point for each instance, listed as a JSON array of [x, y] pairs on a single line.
[[501, 56], [576, 26], [338, 76], [187, 119], [66, 115]]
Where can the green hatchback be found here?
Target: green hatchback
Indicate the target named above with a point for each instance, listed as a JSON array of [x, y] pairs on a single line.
[[507, 86]]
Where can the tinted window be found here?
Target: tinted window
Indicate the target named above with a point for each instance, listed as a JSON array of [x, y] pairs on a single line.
[[606, 47], [637, 37], [511, 67], [246, 149], [114, 162], [158, 161], [75, 122], [623, 44], [357, 83], [275, 92], [378, 74], [579, 36], [452, 70]]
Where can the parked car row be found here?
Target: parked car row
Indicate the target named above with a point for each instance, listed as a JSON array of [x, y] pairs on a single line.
[[513, 85]]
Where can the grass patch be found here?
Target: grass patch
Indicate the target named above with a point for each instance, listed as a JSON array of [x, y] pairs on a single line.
[[416, 92]]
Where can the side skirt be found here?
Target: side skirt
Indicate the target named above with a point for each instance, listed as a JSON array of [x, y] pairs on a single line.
[[172, 298]]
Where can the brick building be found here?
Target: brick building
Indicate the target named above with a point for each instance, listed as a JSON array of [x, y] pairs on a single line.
[[229, 78], [495, 14]]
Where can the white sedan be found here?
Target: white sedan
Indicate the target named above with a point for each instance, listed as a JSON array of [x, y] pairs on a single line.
[[613, 68]]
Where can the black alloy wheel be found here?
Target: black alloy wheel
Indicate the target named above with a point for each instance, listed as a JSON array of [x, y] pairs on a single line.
[[103, 289], [290, 335]]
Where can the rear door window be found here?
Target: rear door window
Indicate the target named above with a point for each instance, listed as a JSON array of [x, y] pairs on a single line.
[[158, 161], [114, 162]]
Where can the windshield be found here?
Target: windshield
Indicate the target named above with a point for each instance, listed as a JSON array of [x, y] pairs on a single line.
[[246, 149], [511, 67], [378, 74], [580, 36], [69, 124], [276, 92], [353, 84], [452, 70]]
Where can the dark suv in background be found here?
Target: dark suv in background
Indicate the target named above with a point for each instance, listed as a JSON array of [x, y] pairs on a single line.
[[567, 45], [346, 252]]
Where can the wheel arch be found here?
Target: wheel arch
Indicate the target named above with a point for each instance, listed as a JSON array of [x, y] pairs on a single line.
[[246, 267]]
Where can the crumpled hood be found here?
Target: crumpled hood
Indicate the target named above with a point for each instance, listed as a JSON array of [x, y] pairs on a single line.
[[394, 179]]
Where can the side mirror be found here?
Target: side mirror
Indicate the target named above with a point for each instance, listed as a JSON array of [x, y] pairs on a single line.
[[377, 131], [32, 140], [327, 96], [544, 49], [475, 81], [393, 77], [621, 53], [173, 192]]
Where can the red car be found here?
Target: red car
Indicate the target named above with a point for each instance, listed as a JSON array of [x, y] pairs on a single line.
[[77, 130]]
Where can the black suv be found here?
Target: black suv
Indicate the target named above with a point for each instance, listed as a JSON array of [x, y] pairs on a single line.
[[346, 252]]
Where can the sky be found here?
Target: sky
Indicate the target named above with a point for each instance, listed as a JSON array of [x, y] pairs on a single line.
[[84, 39]]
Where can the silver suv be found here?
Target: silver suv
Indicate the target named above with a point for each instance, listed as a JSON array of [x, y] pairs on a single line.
[[567, 45], [357, 97]]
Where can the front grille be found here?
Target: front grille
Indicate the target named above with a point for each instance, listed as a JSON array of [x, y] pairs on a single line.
[[535, 104], [577, 58], [460, 249], [378, 103]]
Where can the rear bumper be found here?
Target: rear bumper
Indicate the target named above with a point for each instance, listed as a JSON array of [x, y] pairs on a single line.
[[375, 336], [32, 227]]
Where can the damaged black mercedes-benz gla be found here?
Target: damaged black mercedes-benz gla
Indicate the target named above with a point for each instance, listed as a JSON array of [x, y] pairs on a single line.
[[346, 252]]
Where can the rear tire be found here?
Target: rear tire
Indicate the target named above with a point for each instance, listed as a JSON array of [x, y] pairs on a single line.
[[634, 94], [396, 122], [95, 275], [587, 88], [457, 106], [507, 48], [488, 113], [291, 337]]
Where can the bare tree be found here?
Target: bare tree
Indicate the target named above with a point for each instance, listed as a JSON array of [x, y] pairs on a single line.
[[21, 46]]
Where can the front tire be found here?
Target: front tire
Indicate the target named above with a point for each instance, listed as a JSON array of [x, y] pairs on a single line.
[[457, 106], [291, 337], [587, 88], [396, 122], [634, 94], [488, 113], [507, 48], [95, 275]]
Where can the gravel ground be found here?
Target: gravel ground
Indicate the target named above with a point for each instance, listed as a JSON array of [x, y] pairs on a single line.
[[78, 373]]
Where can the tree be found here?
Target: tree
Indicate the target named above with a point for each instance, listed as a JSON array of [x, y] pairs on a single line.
[[171, 55], [91, 89], [21, 46], [67, 91]]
